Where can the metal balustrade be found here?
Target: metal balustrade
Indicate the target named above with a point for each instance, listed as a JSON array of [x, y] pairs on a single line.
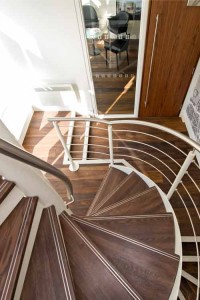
[[108, 150]]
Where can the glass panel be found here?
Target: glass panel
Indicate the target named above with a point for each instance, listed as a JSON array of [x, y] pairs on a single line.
[[112, 30]]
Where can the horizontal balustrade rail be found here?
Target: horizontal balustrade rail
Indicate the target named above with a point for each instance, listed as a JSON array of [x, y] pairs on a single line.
[[183, 137]]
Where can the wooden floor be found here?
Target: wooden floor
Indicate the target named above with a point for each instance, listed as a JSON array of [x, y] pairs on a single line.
[[111, 84], [42, 141]]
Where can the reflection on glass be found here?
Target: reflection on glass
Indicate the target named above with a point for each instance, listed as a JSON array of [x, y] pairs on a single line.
[[112, 31]]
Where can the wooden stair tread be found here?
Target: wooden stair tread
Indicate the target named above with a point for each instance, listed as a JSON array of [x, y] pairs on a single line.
[[48, 275], [5, 187], [130, 186], [154, 230], [150, 271], [147, 202], [94, 276], [14, 234], [112, 179]]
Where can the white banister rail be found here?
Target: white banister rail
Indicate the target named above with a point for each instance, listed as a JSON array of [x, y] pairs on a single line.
[[179, 135], [189, 159], [73, 165]]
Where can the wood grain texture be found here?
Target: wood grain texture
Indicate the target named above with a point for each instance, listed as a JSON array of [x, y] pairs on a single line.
[[5, 188], [149, 272], [154, 230], [148, 202], [48, 275], [188, 289], [176, 54], [91, 271], [191, 268], [111, 181], [130, 186], [14, 234], [42, 140], [109, 83]]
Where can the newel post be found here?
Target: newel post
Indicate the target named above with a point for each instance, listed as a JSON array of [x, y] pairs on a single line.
[[74, 166], [189, 159]]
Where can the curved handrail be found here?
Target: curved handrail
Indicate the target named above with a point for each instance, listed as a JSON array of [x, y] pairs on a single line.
[[183, 137], [19, 154]]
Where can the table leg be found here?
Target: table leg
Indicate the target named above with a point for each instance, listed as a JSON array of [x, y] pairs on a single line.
[[95, 50]]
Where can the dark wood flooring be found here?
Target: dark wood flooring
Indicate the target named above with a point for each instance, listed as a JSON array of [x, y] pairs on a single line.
[[114, 85]]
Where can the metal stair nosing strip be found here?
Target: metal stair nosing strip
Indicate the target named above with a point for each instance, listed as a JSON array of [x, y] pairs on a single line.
[[10, 281], [111, 173], [48, 273], [119, 203], [123, 237], [91, 208], [118, 187], [5, 187], [88, 218], [122, 281], [155, 230], [131, 185], [143, 267], [65, 272]]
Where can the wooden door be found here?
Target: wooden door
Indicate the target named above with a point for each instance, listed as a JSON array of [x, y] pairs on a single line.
[[170, 58]]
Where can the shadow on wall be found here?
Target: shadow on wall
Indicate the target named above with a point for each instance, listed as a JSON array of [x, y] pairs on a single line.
[[17, 74]]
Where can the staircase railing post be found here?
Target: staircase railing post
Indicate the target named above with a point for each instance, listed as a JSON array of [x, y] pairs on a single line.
[[110, 138], [190, 157], [74, 166]]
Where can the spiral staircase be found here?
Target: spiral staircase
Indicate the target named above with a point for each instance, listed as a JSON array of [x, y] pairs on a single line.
[[124, 248]]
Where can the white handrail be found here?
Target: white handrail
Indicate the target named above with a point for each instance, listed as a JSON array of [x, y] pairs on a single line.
[[183, 137]]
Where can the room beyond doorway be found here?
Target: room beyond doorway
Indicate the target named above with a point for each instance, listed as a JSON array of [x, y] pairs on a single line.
[[113, 55]]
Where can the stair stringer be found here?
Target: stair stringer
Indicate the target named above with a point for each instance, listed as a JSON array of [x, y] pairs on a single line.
[[128, 168]]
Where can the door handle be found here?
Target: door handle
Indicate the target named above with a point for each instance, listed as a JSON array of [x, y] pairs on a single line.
[[152, 59]]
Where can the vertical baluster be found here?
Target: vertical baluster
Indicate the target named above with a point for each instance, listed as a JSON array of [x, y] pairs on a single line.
[[74, 166]]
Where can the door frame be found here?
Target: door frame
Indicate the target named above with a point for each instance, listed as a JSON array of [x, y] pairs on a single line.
[[140, 63]]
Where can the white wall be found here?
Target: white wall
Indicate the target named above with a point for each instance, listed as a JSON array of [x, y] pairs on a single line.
[[40, 43]]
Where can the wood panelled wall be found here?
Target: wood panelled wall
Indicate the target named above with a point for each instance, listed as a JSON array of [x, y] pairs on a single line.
[[175, 55]]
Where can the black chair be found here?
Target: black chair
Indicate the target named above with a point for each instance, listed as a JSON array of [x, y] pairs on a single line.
[[117, 46], [119, 23], [90, 17]]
